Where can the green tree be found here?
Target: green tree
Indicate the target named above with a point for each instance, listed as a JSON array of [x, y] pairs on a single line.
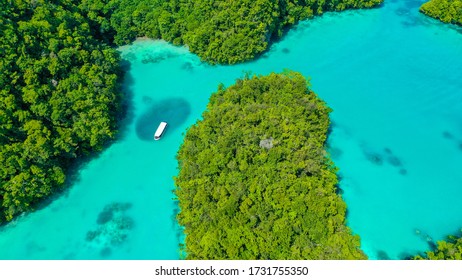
[[228, 31], [449, 249], [449, 11]]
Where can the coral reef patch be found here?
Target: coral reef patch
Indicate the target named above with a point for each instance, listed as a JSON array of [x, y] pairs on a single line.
[[113, 228], [386, 156], [157, 57]]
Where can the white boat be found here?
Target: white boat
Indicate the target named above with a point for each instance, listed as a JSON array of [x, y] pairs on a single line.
[[160, 130]]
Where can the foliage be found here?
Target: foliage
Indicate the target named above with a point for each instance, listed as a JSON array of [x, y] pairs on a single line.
[[255, 181], [58, 95], [58, 79], [449, 11], [450, 249], [228, 31]]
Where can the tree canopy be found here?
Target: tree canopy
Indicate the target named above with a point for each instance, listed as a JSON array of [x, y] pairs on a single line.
[[255, 181], [59, 73], [227, 31], [58, 95], [449, 11], [449, 249]]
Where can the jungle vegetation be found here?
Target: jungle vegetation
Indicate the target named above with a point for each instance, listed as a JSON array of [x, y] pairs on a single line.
[[255, 181], [449, 249], [227, 31], [59, 71], [58, 95], [449, 11]]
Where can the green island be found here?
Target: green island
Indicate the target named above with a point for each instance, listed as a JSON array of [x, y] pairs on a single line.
[[255, 181], [60, 74], [449, 249], [449, 11]]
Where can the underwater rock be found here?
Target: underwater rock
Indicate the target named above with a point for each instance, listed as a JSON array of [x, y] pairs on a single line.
[[285, 50], [156, 57], [113, 227], [460, 146], [417, 232], [447, 135], [118, 238], [374, 158], [118, 206], [123, 222], [152, 59], [91, 235], [395, 161], [188, 66], [388, 151], [403, 171], [104, 217]]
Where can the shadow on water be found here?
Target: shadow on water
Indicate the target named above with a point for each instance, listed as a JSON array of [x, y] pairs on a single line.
[[126, 116], [174, 111], [178, 229], [406, 256], [338, 189], [335, 153], [382, 255]]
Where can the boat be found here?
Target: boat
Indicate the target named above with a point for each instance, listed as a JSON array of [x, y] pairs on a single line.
[[160, 130]]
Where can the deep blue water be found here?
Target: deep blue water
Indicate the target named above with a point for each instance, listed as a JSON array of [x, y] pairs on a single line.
[[394, 80]]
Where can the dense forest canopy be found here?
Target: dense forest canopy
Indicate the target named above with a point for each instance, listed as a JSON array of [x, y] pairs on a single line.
[[450, 249], [227, 31], [58, 95], [255, 181], [59, 75], [449, 11]]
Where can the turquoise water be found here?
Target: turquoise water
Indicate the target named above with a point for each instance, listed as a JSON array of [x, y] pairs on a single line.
[[394, 80]]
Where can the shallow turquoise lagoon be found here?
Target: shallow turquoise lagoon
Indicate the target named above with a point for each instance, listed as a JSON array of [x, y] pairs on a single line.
[[394, 80]]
